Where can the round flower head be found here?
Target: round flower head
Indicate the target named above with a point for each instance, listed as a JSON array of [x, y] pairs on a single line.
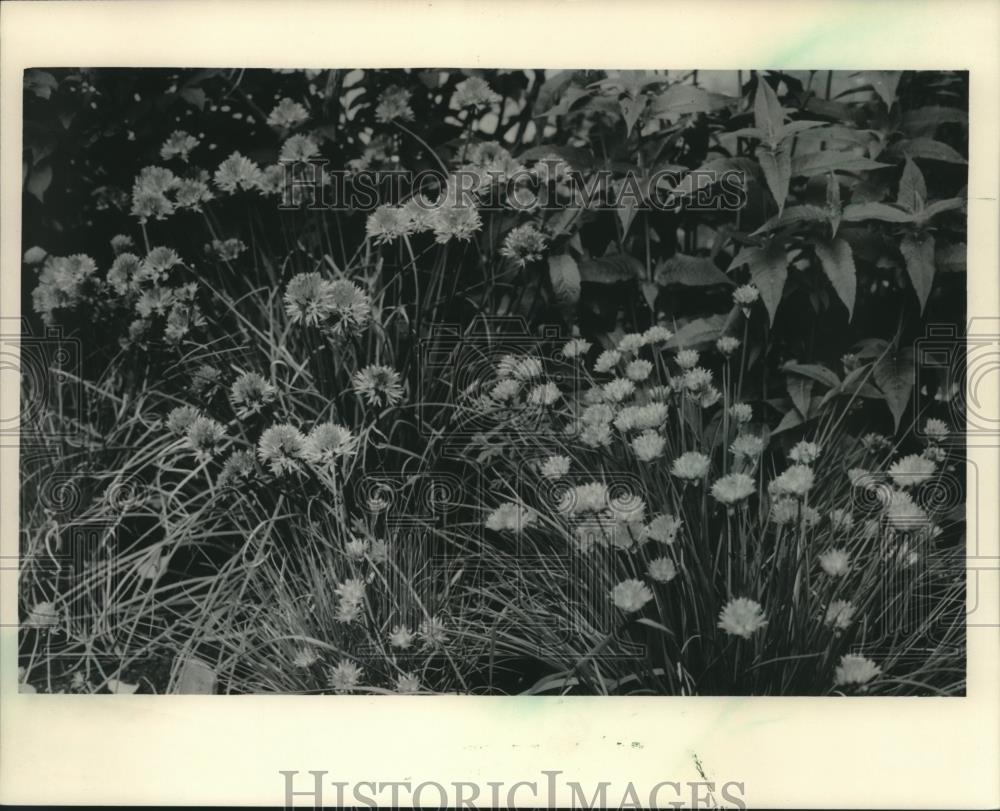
[[401, 637], [904, 514], [250, 394], [180, 419], [607, 361], [662, 529], [205, 436], [474, 92], [584, 498], [511, 517], [747, 446], [911, 470], [648, 445], [237, 172], [123, 270], [329, 442], [191, 193], [662, 570], [407, 683], [597, 414], [746, 295], [287, 114], [576, 348], [741, 412], [697, 380], [641, 418], [835, 562], [387, 223], [178, 145], [630, 343], [631, 595], [281, 448], [555, 467], [121, 242], [393, 105], [687, 358], [304, 658], [433, 632], [455, 222], [935, 453], [805, 453], [874, 443], [350, 308], [544, 394], [935, 430], [419, 209], [351, 591], [596, 436], [238, 468], [727, 345], [308, 299], [378, 385], [356, 548], [742, 617], [656, 335], [784, 511], [841, 518], [734, 488], [506, 390], [227, 250], [524, 244], [158, 262], [298, 148], [627, 507], [344, 677], [795, 481], [155, 301], [855, 670], [638, 370], [690, 466], [619, 389], [840, 615]]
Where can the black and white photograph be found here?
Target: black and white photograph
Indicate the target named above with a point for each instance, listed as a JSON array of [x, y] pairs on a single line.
[[500, 404], [493, 382]]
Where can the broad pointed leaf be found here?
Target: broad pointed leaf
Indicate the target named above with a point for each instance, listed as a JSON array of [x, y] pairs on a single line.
[[912, 188], [838, 265], [610, 269], [815, 371], [689, 271], [817, 163], [925, 120], [858, 212], [803, 213], [929, 149], [800, 390], [918, 252], [565, 277], [769, 269], [777, 168], [768, 113], [895, 375], [885, 82]]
